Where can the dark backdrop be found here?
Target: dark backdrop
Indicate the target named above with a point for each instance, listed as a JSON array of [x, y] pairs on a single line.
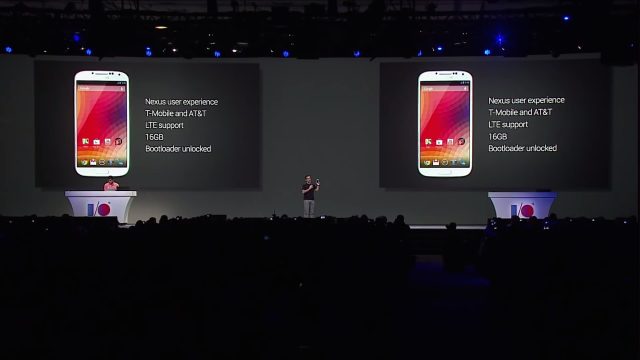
[[319, 117]]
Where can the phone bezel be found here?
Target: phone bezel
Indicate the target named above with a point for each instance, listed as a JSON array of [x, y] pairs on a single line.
[[447, 75], [100, 75]]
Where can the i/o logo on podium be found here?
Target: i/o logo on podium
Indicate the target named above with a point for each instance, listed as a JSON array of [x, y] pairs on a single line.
[[98, 209], [523, 210]]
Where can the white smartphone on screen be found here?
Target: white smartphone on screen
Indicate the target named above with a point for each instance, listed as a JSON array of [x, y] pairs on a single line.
[[445, 123], [101, 123]]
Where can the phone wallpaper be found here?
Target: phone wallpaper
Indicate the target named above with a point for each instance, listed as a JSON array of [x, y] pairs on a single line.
[[102, 124], [445, 112]]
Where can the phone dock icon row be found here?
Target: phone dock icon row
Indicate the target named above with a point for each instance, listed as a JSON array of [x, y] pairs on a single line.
[[444, 162]]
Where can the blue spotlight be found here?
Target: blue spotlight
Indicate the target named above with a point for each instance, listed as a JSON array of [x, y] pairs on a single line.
[[499, 39], [439, 48], [419, 53], [566, 18], [285, 53], [88, 52], [217, 53], [356, 53], [487, 52], [76, 37], [148, 52], [8, 49]]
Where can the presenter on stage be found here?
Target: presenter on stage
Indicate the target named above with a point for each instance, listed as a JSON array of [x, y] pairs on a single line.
[[111, 185], [308, 192]]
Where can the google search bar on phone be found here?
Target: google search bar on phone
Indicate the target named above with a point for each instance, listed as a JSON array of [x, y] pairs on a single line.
[[117, 88], [445, 88]]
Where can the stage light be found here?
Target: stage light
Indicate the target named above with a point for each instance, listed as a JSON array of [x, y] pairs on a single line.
[[8, 49], [285, 53], [356, 53], [419, 53], [217, 53], [76, 37], [499, 39], [148, 52], [88, 52], [487, 52], [439, 48], [161, 27], [566, 18]]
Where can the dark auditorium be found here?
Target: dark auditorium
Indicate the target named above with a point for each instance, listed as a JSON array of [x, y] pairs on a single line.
[[319, 180]]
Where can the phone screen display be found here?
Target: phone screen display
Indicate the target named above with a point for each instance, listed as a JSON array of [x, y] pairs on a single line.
[[445, 119], [101, 115]]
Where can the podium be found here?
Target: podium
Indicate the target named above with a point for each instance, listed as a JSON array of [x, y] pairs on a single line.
[[522, 204], [101, 203]]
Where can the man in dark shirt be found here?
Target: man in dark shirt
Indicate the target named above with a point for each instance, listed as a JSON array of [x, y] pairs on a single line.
[[308, 191]]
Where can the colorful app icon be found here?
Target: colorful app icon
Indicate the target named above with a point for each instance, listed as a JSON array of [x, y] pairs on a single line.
[[449, 141], [93, 162], [85, 141], [101, 162], [107, 141], [427, 162], [463, 163], [460, 141], [454, 162], [439, 142], [427, 141], [445, 162], [96, 141], [436, 162], [118, 141], [84, 162]]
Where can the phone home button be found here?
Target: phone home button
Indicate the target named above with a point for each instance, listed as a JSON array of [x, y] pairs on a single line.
[[102, 171], [444, 172]]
